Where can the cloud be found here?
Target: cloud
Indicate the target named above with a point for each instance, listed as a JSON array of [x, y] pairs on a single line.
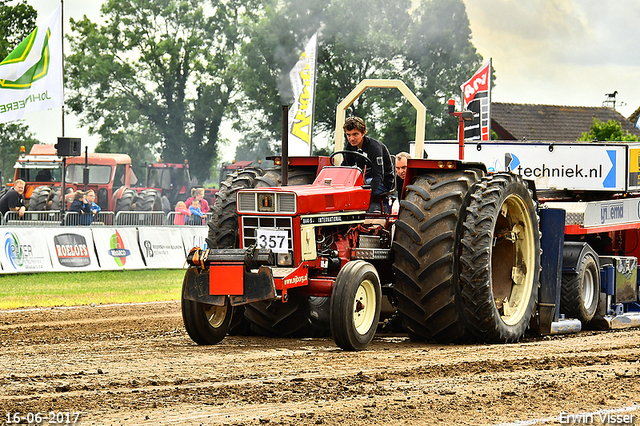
[[559, 51]]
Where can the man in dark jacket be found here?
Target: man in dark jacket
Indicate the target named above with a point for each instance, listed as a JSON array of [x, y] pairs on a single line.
[[13, 200], [380, 176]]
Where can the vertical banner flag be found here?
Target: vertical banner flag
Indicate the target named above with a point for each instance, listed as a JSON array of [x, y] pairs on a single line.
[[31, 75], [476, 94], [303, 82]]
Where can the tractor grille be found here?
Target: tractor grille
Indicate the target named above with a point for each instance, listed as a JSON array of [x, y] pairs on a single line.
[[250, 224], [276, 202]]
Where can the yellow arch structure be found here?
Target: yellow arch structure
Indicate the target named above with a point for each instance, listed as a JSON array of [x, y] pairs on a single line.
[[421, 110]]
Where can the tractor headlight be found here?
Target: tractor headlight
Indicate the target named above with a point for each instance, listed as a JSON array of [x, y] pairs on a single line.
[[285, 259], [266, 203]]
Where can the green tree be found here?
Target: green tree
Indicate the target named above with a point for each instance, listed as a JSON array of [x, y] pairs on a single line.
[[609, 131], [160, 76], [16, 22], [428, 48]]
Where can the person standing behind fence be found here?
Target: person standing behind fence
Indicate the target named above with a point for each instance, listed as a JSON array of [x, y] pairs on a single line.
[[82, 208], [198, 194], [13, 200], [181, 213], [196, 214], [91, 199]]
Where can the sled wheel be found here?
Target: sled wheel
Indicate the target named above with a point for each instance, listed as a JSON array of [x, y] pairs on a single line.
[[426, 246], [205, 324], [355, 306], [501, 259], [580, 290]]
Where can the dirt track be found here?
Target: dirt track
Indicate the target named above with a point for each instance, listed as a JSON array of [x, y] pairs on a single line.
[[135, 364]]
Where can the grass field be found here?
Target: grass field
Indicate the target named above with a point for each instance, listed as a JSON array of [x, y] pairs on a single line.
[[84, 288]]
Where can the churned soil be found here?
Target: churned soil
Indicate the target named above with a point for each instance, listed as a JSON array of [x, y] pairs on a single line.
[[135, 365]]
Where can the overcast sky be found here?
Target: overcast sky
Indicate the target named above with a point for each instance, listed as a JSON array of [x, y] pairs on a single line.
[[558, 52]]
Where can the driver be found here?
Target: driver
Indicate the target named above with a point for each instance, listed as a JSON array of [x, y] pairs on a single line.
[[380, 176]]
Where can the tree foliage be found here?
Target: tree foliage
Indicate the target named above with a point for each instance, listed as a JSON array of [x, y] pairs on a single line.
[[16, 22], [160, 75], [609, 131], [429, 48]]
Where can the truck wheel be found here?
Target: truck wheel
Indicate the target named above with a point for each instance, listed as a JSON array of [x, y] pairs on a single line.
[[39, 198], [501, 259], [223, 226], [426, 245], [149, 200], [356, 300], [205, 324], [580, 290], [127, 200]]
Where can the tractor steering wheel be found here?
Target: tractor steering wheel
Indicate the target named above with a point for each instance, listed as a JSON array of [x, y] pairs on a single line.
[[364, 157]]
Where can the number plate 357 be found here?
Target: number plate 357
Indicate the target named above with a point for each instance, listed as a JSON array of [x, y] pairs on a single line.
[[277, 241]]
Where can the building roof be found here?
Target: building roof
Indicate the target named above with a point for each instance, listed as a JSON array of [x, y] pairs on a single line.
[[550, 122]]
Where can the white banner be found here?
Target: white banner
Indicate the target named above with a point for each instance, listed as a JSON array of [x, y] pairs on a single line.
[[118, 248], [71, 249], [193, 237], [161, 247], [31, 75], [24, 251], [303, 82]]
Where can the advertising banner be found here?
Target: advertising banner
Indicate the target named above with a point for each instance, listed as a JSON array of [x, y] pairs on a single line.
[[476, 95], [71, 249], [193, 237], [31, 75], [24, 250], [161, 247], [118, 248], [558, 166], [303, 83]]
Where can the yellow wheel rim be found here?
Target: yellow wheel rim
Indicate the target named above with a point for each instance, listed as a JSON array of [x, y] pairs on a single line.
[[216, 315], [364, 307]]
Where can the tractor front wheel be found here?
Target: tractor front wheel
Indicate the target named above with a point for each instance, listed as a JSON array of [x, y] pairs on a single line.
[[355, 306], [205, 324]]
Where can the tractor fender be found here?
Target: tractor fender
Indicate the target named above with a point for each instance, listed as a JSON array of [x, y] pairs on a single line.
[[573, 252]]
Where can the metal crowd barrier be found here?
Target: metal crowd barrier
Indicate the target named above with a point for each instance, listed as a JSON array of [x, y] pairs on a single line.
[[140, 219], [80, 219], [48, 218], [53, 218], [178, 219]]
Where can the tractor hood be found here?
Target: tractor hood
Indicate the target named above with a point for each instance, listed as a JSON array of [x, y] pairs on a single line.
[[335, 189]]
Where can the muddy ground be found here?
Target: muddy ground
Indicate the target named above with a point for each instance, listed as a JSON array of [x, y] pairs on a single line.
[[135, 365]]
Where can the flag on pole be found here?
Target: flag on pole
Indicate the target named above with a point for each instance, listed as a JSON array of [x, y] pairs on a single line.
[[303, 82], [31, 75], [476, 95]]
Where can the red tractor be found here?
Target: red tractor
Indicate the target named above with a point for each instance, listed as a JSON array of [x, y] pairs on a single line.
[[110, 176], [462, 260]]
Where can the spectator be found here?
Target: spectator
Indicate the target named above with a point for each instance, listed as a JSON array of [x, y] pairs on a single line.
[[91, 200], [13, 200], [197, 217], [82, 208], [198, 194], [181, 213], [401, 170]]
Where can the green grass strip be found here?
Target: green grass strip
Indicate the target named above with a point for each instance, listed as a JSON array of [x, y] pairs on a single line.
[[84, 288]]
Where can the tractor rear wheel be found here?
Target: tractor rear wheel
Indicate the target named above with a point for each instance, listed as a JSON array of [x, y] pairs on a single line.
[[39, 198], [355, 305], [206, 324], [54, 199], [127, 200], [149, 200], [580, 290], [500, 259], [223, 226], [426, 244]]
